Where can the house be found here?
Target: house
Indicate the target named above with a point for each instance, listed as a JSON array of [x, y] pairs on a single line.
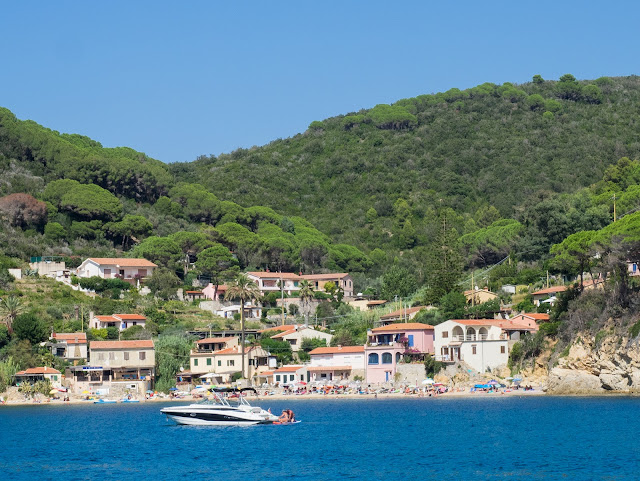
[[341, 280], [289, 374], [547, 295], [530, 319], [365, 304], [35, 374], [479, 296], [201, 359], [223, 363], [298, 334], [193, 295], [482, 344], [71, 346], [211, 293], [272, 281], [388, 345], [229, 312], [117, 367], [336, 363], [405, 314], [130, 270], [121, 321]]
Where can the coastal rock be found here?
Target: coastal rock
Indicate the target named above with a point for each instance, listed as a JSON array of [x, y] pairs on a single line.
[[571, 381], [615, 381]]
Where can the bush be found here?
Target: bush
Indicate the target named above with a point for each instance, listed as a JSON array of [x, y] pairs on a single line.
[[432, 367]]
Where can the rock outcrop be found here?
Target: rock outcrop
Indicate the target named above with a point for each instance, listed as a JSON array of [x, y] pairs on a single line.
[[591, 367]]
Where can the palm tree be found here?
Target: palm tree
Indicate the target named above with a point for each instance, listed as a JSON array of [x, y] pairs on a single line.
[[245, 290], [305, 293], [10, 306]]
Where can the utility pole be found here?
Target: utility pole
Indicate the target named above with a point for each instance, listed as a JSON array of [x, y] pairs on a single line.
[[282, 298], [614, 207]]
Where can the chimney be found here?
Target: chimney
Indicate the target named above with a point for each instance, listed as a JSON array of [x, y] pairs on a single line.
[[339, 347]]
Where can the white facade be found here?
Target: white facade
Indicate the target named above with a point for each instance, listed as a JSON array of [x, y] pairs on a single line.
[[271, 281], [481, 344], [295, 336], [109, 268], [338, 356]]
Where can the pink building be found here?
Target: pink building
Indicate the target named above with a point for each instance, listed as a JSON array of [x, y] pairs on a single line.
[[388, 346], [210, 292]]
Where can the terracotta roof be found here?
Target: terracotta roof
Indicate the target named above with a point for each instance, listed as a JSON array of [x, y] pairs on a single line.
[[376, 303], [276, 275], [106, 318], [329, 368], [196, 292], [214, 340], [288, 369], [285, 333], [535, 315], [403, 312], [403, 326], [286, 327], [38, 370], [122, 262], [501, 323], [265, 373], [475, 291], [550, 290], [325, 276], [337, 350], [125, 317], [121, 344], [232, 350], [70, 336]]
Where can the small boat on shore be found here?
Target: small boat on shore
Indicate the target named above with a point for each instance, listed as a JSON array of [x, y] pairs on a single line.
[[105, 401], [127, 400], [217, 411]]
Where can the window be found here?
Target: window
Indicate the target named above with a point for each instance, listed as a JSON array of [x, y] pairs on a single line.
[[502, 350], [293, 342], [126, 356], [397, 357], [142, 355], [142, 272], [231, 362], [195, 362], [292, 377], [107, 272], [101, 356], [277, 377], [445, 334], [55, 377], [410, 336], [387, 358], [219, 362], [373, 358], [474, 350], [445, 351], [208, 361], [112, 356]]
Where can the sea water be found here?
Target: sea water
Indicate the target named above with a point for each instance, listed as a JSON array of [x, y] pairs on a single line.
[[479, 438]]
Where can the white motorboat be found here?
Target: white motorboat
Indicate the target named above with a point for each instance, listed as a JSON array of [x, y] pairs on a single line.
[[215, 410]]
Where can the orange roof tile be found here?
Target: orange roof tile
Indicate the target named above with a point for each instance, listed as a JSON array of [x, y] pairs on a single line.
[[285, 327], [130, 317], [107, 318], [285, 333], [337, 350], [122, 262], [121, 344], [233, 350], [70, 336], [501, 323], [38, 370], [288, 369], [550, 290], [339, 275], [403, 326], [535, 315]]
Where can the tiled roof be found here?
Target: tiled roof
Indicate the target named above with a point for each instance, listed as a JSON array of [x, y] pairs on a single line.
[[288, 369], [285, 327], [122, 262], [535, 315], [276, 275], [501, 323], [403, 312], [141, 344], [38, 370], [337, 350], [402, 326], [324, 276], [70, 336], [129, 317], [550, 290], [107, 318], [232, 350], [285, 333]]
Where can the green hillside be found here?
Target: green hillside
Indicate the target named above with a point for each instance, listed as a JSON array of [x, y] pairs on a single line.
[[363, 176]]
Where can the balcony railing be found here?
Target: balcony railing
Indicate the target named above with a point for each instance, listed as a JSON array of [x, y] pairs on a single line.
[[448, 358]]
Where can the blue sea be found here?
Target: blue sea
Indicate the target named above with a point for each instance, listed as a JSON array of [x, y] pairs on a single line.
[[492, 437]]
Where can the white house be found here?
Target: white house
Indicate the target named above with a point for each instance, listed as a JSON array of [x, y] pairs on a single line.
[[342, 280], [297, 334], [289, 374], [70, 346], [35, 374], [336, 363], [482, 344], [111, 267], [121, 321], [272, 281]]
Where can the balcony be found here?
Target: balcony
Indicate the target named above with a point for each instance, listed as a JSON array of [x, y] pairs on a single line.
[[448, 358]]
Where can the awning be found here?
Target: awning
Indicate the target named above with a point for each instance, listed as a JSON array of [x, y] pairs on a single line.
[[328, 368]]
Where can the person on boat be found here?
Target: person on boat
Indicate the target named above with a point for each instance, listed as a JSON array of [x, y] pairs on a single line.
[[284, 417]]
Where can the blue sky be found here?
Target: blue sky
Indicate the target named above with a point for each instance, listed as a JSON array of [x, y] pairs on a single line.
[[180, 79]]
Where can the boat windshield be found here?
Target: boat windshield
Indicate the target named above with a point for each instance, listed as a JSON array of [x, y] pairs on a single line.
[[214, 399]]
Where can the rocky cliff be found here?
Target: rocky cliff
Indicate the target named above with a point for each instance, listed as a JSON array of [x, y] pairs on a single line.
[[604, 363]]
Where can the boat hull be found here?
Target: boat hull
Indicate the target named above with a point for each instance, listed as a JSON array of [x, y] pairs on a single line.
[[217, 417]]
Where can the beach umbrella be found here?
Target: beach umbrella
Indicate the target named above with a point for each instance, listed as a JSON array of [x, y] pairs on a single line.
[[86, 392], [149, 391], [173, 389], [53, 391], [428, 381], [493, 382]]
